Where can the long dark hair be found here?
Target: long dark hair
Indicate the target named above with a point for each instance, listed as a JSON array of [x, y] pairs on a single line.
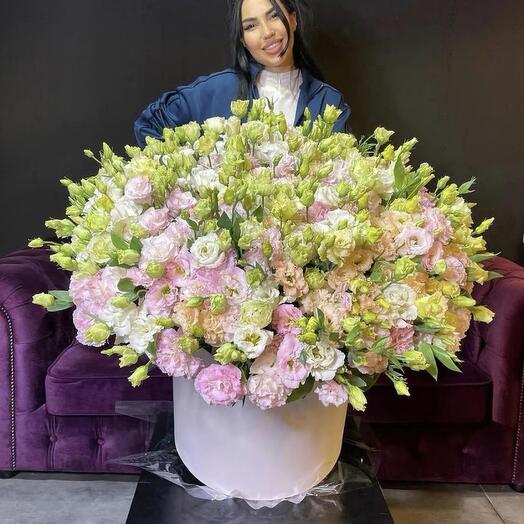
[[242, 56]]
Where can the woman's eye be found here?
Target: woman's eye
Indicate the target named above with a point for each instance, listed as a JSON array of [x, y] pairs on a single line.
[[274, 15], [248, 27]]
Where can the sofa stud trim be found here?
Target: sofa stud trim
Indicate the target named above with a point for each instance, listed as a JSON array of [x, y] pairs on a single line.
[[11, 385], [519, 424]]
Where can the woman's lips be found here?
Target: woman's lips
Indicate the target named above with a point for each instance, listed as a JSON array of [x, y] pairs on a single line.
[[274, 48]]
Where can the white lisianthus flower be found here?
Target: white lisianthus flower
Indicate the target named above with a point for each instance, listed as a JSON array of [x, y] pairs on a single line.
[[120, 320], [385, 181], [324, 360], [161, 248], [267, 151], [215, 124], [125, 209], [207, 252], [328, 196], [204, 177], [267, 390], [143, 331], [339, 217], [252, 340], [402, 299], [267, 294], [413, 241]]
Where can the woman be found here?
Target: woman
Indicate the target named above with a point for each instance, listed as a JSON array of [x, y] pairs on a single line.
[[271, 60]]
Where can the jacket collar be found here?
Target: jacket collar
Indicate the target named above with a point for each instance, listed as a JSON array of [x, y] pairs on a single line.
[[309, 87]]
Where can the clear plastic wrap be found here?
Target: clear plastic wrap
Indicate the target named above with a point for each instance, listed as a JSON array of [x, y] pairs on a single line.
[[355, 469]]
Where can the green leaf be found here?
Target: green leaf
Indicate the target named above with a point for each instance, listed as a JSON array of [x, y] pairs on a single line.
[[426, 350], [59, 306], [357, 381], [259, 213], [494, 274], [466, 186], [224, 221], [126, 285], [192, 224], [444, 357], [135, 244], [480, 257], [400, 174], [118, 241], [302, 390], [62, 296]]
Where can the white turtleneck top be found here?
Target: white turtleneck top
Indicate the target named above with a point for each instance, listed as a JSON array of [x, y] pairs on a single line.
[[283, 89]]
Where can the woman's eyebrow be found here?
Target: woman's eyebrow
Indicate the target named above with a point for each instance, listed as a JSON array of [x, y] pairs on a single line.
[[252, 18]]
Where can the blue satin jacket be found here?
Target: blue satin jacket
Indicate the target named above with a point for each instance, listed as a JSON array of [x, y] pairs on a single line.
[[211, 95]]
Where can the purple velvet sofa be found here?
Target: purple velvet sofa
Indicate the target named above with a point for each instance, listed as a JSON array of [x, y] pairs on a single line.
[[57, 397]]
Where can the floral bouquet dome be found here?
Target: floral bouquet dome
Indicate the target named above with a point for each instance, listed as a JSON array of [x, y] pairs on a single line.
[[266, 262]]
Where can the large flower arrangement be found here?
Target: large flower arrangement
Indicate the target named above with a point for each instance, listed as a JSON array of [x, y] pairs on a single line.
[[299, 259]]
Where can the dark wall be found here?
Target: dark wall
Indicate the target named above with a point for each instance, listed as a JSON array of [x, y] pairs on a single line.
[[73, 74]]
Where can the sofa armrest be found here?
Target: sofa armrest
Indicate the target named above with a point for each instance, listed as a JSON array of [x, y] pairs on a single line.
[[498, 348], [30, 337]]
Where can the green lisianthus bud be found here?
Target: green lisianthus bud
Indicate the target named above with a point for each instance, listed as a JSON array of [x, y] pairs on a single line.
[[442, 183], [382, 135], [192, 132], [98, 333], [307, 198], [194, 302], [401, 388], [120, 180], [239, 108], [315, 278], [415, 360], [64, 262], [450, 289], [331, 114], [369, 317], [229, 196], [195, 331], [312, 324], [164, 322], [463, 301], [349, 323], [66, 182], [484, 226], [343, 188], [403, 267], [120, 302], [217, 304], [97, 221], [482, 314], [449, 194], [255, 277], [308, 338], [36, 242], [440, 267], [138, 231], [44, 299], [188, 344], [88, 267], [232, 126], [129, 257], [228, 353], [104, 202], [203, 209], [129, 357], [155, 270], [357, 399], [139, 375], [63, 228], [267, 250]]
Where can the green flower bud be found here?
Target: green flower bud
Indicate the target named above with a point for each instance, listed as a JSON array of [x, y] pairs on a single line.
[[129, 257], [382, 135], [155, 270], [97, 221], [357, 399], [449, 195], [63, 228], [129, 357], [98, 333], [217, 304], [44, 299], [440, 267], [369, 317], [308, 338], [343, 189], [188, 344], [312, 324], [138, 231], [267, 250], [482, 314], [194, 302], [255, 276], [165, 322], [64, 262], [315, 278], [88, 267], [36, 242], [463, 301], [331, 114], [484, 226], [203, 209], [239, 108], [228, 353], [139, 375], [415, 360], [401, 388], [120, 180], [403, 267], [441, 184], [121, 302]]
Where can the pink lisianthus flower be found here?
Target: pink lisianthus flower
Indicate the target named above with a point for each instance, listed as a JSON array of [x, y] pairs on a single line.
[[154, 220], [172, 360], [139, 277], [220, 385], [160, 298], [180, 200], [373, 363], [402, 339], [82, 322], [178, 270], [455, 270], [289, 366], [437, 224], [287, 166], [267, 390], [318, 211], [425, 199], [435, 253], [283, 317], [139, 190], [412, 241], [332, 393]]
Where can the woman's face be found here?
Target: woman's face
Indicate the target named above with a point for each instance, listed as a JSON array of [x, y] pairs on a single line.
[[264, 34]]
